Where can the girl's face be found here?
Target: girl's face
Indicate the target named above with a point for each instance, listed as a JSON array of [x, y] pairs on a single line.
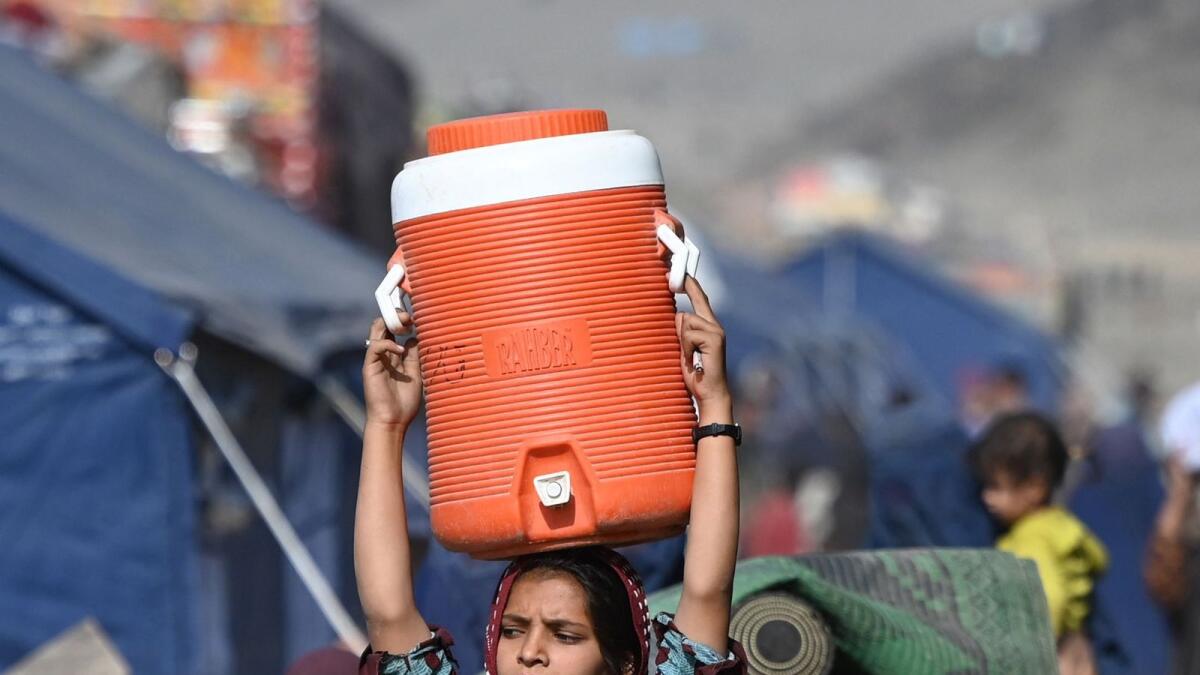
[[546, 629], [1009, 500]]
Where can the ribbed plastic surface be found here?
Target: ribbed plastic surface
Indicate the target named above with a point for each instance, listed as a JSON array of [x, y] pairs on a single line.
[[477, 132], [548, 343]]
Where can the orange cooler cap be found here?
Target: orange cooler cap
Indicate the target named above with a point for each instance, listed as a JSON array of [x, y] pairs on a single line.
[[478, 132]]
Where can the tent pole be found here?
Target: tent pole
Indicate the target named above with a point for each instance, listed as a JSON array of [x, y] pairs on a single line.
[[416, 483], [182, 371]]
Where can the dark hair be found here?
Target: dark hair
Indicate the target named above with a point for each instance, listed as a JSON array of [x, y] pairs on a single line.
[[607, 601], [1026, 445], [1011, 373]]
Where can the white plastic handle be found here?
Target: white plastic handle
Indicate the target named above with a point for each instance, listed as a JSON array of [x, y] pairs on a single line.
[[389, 298], [693, 260], [679, 257], [685, 257]]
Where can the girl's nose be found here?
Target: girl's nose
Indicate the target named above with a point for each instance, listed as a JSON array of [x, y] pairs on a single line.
[[532, 652]]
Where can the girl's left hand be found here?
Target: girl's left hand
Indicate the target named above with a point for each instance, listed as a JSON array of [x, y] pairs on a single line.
[[700, 331]]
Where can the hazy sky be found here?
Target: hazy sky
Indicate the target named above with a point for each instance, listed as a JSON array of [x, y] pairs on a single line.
[[706, 80]]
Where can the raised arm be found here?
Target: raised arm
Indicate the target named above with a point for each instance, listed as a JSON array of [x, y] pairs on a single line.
[[711, 552], [382, 560], [1165, 567]]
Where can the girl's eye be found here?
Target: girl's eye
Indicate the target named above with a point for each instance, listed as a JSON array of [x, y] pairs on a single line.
[[509, 632], [567, 638]]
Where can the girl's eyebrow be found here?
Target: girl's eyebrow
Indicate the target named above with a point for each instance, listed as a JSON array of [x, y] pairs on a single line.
[[516, 618], [564, 623], [521, 620]]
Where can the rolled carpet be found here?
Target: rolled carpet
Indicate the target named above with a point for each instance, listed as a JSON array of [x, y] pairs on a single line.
[[893, 611]]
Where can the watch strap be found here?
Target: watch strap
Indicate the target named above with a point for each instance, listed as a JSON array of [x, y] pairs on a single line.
[[734, 431]]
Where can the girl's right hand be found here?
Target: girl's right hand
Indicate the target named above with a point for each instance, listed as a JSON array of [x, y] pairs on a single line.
[[391, 376]]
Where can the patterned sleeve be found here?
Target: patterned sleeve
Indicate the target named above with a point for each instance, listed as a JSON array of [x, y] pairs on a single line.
[[677, 655], [431, 657]]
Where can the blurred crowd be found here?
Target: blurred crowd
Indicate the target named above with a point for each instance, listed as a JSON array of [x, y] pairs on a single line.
[[1116, 491]]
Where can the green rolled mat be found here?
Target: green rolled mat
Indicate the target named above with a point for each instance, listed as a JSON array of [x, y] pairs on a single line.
[[892, 611], [782, 635]]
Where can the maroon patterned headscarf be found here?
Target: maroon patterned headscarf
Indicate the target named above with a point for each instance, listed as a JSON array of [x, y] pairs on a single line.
[[615, 561]]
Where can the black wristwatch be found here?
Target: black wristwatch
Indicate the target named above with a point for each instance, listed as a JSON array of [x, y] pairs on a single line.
[[733, 431]]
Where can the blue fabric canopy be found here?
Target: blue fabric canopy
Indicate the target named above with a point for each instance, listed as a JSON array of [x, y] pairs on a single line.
[[254, 272], [945, 328], [96, 502], [823, 361], [112, 244], [758, 310]]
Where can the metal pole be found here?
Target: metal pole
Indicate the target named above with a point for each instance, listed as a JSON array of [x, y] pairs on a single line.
[[182, 371], [416, 483]]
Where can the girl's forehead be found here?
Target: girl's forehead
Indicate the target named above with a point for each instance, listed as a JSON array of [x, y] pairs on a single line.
[[541, 593]]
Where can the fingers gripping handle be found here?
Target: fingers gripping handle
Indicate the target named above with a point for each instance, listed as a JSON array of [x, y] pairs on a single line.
[[685, 259], [390, 293], [387, 296]]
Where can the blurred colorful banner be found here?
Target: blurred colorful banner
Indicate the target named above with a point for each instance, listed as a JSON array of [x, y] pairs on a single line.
[[246, 63], [270, 12]]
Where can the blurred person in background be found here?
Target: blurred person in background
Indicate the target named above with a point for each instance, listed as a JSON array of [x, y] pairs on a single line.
[[986, 393], [1172, 561], [794, 517], [1020, 460], [1008, 388], [774, 522], [1141, 393], [335, 659], [973, 405], [1113, 485]]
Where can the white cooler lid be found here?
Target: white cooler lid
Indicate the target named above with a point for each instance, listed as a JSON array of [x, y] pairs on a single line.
[[522, 170]]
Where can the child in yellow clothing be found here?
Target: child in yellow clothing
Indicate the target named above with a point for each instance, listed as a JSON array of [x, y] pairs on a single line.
[[1020, 461]]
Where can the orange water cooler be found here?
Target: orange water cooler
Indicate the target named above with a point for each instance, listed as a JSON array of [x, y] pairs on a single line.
[[542, 267]]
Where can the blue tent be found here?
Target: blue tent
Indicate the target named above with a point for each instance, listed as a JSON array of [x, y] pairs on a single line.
[[759, 310], [825, 362], [113, 245], [95, 479], [255, 273], [942, 326]]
